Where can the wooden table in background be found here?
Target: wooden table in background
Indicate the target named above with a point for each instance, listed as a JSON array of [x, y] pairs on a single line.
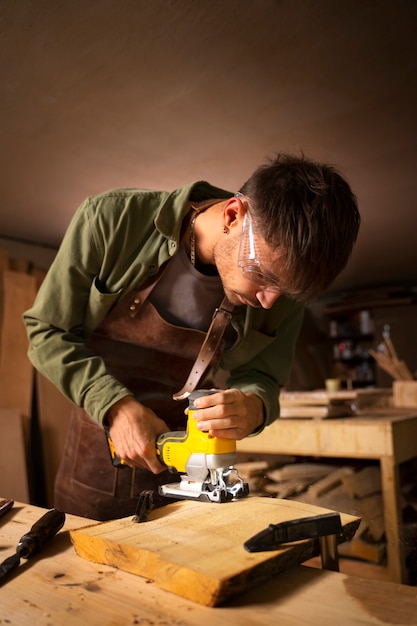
[[58, 587], [386, 435]]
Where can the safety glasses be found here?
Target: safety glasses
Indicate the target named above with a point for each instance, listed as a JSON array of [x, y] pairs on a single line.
[[249, 258]]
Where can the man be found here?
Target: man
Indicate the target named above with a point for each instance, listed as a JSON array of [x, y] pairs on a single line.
[[120, 320]]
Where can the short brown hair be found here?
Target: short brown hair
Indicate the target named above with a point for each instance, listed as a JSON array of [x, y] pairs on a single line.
[[308, 210]]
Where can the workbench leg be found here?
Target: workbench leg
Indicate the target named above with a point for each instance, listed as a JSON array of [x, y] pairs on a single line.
[[391, 494]]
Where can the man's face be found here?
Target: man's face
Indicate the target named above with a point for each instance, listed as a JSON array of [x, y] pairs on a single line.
[[239, 289]]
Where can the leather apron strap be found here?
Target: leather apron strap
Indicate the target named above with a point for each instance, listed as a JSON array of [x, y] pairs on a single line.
[[221, 319]]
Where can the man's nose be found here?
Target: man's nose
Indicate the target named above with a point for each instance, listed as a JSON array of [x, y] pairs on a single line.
[[267, 298]]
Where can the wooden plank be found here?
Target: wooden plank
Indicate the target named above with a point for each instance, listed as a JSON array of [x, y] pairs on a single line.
[[195, 549], [328, 482], [371, 509], [287, 488], [312, 471], [363, 483], [316, 411], [360, 549], [16, 372], [13, 470], [321, 397]]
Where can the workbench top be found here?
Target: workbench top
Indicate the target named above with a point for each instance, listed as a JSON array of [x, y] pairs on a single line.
[[58, 587]]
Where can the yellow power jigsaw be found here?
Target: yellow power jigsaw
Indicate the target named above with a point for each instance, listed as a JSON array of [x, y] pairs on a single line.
[[206, 463]]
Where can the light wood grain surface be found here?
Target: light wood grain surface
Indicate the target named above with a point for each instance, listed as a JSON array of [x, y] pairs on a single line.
[[195, 549], [58, 587]]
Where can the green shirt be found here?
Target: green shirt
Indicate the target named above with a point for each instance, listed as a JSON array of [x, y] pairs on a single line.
[[115, 242]]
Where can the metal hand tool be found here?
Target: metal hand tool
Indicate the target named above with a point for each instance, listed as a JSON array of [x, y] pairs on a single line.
[[41, 533], [324, 527], [5, 506]]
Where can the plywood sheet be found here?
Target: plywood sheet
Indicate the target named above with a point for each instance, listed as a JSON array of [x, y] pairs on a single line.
[[195, 549], [14, 482], [17, 293], [324, 404]]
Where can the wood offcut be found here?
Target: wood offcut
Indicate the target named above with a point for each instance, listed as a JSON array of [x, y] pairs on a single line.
[[195, 550]]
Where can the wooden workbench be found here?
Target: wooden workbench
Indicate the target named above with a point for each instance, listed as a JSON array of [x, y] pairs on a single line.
[[58, 587], [386, 435]]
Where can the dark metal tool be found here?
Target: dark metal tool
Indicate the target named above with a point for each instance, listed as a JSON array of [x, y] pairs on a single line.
[[324, 527], [144, 506], [41, 533], [5, 506]]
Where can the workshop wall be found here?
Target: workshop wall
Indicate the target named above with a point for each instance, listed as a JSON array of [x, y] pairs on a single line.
[[33, 414]]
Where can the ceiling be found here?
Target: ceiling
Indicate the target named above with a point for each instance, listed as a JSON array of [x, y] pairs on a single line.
[[158, 93]]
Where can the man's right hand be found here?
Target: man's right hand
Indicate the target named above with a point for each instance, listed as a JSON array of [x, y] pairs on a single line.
[[134, 429]]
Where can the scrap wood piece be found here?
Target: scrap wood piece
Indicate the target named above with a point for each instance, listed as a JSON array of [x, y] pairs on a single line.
[[195, 549], [327, 483], [251, 468], [359, 548], [364, 482], [405, 393], [287, 488], [336, 499], [254, 474], [316, 411], [371, 511], [320, 397], [301, 470]]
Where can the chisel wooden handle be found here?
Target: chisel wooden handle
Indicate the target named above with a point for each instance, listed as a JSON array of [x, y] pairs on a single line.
[[41, 532], [5, 506]]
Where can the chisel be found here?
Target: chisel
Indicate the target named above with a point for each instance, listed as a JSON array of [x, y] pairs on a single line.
[[41, 533], [5, 506]]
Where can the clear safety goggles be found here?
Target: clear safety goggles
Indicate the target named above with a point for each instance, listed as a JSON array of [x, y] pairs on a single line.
[[249, 258]]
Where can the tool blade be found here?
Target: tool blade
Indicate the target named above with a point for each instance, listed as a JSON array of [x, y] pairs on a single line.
[[8, 565]]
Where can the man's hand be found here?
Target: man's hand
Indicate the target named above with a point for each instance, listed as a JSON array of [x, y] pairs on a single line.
[[230, 414], [134, 429]]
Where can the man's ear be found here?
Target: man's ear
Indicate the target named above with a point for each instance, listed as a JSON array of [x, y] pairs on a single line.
[[233, 212]]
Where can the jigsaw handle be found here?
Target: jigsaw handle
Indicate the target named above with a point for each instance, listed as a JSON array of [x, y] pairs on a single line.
[[115, 459], [175, 449]]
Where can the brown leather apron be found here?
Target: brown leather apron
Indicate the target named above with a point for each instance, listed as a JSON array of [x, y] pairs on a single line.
[[152, 358]]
